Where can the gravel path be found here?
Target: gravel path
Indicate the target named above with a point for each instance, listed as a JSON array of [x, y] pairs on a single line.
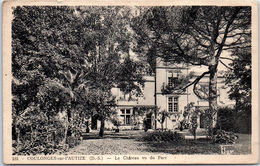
[[112, 144]]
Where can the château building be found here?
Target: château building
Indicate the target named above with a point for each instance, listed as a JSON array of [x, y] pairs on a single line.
[[132, 111]]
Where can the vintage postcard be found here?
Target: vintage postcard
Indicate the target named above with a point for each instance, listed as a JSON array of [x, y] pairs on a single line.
[[130, 82]]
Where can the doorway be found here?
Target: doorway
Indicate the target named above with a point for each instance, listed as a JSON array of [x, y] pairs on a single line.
[[149, 120], [94, 120], [202, 120]]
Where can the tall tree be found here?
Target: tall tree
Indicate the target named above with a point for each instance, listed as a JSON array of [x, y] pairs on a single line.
[[197, 36], [238, 78], [79, 48], [110, 61], [46, 48]]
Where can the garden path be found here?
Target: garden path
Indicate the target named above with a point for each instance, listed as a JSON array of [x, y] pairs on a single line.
[[122, 143]]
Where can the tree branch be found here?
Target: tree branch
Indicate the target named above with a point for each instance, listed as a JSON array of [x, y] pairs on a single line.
[[200, 43], [204, 91], [225, 65], [236, 47], [187, 57], [196, 93], [226, 32], [196, 80], [236, 34], [226, 58], [201, 32]]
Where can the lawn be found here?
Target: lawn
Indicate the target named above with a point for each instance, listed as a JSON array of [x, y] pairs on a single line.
[[200, 146], [128, 142]]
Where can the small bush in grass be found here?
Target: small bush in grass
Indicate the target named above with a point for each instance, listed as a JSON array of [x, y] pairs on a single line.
[[163, 136], [224, 137], [73, 138], [73, 141]]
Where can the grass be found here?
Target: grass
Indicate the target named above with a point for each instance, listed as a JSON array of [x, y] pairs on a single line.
[[128, 142], [201, 146], [243, 144]]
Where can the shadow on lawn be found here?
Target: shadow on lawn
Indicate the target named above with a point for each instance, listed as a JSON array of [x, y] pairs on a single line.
[[199, 146]]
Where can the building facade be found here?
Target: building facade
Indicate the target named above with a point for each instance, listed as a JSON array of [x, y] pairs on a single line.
[[133, 112]]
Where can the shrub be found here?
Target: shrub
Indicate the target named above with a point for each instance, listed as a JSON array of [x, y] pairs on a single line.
[[234, 120], [42, 138], [39, 134], [74, 135], [34, 148], [184, 124], [73, 141], [224, 137], [194, 124], [226, 119], [116, 122], [163, 136]]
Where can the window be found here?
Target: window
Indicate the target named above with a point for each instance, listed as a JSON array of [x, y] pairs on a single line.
[[125, 115], [170, 81], [176, 104], [173, 104], [172, 76], [170, 104]]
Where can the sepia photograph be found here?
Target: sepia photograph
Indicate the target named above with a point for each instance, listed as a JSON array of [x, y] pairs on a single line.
[[100, 83]]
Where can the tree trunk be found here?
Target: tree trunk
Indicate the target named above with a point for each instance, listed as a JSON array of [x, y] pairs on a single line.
[[163, 120], [66, 123], [18, 138], [17, 135], [17, 131], [102, 127], [195, 134], [155, 98], [213, 107]]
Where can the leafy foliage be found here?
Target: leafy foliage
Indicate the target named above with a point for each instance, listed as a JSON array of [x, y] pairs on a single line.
[[191, 114], [179, 84], [162, 115], [116, 121], [194, 124], [227, 119], [38, 135], [65, 60], [163, 136], [224, 137], [238, 78], [234, 120]]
